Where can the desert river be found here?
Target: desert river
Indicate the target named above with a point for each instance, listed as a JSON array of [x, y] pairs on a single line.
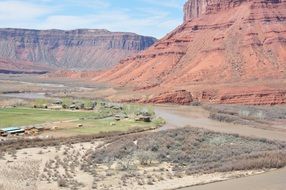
[[27, 95], [197, 117]]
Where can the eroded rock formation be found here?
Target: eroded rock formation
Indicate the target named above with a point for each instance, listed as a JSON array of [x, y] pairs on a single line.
[[223, 45], [197, 8]]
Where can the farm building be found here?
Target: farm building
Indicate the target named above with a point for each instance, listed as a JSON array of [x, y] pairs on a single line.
[[73, 106], [11, 131], [58, 102], [143, 118]]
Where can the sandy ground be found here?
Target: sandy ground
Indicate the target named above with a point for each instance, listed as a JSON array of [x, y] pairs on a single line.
[[22, 170], [28, 169]]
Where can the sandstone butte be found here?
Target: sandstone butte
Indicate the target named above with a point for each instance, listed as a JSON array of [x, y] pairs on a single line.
[[226, 51]]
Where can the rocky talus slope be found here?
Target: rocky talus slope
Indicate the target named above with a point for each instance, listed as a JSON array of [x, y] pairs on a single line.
[[74, 50], [226, 51]]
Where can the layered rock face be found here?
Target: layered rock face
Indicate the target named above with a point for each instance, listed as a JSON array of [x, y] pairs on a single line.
[[197, 8], [77, 49], [226, 51]]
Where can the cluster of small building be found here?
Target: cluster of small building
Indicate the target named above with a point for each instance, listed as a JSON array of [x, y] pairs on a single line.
[[17, 131], [141, 116], [78, 105], [58, 104], [111, 106]]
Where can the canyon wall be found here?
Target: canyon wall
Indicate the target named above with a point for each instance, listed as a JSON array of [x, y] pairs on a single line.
[[197, 8], [226, 51], [76, 49]]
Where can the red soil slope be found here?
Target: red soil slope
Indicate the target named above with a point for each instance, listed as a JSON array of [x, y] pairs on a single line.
[[226, 51]]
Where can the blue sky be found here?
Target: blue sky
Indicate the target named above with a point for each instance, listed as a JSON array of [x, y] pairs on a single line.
[[147, 17]]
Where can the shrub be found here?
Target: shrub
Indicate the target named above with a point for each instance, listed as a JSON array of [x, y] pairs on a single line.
[[146, 157], [192, 151], [223, 117], [126, 164], [196, 103], [62, 182]]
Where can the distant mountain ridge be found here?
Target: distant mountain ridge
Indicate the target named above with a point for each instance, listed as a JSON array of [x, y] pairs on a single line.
[[82, 49]]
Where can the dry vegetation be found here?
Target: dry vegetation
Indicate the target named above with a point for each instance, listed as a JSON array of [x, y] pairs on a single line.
[[14, 144], [195, 151], [161, 160], [144, 160], [138, 161], [247, 115]]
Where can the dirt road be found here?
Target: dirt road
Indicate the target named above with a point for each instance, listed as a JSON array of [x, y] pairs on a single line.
[[275, 180], [181, 116]]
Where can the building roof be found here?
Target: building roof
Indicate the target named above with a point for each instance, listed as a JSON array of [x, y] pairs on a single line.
[[10, 129], [16, 131]]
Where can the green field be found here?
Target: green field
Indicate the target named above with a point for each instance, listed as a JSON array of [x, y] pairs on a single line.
[[92, 122], [17, 117], [93, 126]]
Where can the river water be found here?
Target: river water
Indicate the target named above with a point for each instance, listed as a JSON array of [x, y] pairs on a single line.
[[182, 116], [26, 95]]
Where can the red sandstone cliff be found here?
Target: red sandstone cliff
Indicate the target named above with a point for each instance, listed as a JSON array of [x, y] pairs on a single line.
[[73, 50], [226, 51]]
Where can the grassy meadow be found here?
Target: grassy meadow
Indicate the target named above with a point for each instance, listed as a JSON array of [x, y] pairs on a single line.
[[67, 122], [17, 117], [92, 126]]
